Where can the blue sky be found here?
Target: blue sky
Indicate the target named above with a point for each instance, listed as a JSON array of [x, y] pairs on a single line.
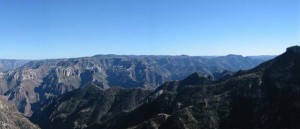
[[38, 29]]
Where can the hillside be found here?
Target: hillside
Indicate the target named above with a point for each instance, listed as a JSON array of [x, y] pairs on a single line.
[[82, 107], [10, 118]]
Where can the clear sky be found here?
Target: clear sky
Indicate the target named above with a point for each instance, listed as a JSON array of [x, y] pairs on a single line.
[[38, 29]]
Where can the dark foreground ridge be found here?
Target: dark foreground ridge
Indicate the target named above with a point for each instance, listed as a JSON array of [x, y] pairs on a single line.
[[294, 50]]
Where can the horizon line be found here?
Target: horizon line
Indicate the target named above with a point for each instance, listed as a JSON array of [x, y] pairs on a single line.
[[28, 59]]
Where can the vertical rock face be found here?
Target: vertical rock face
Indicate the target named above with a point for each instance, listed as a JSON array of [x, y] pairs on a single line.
[[40, 80], [10, 118]]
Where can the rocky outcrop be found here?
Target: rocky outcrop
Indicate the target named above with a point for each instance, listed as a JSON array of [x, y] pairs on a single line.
[[294, 49]]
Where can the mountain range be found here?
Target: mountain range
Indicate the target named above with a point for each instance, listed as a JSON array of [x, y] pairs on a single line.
[[264, 97], [11, 64], [153, 92], [40, 80]]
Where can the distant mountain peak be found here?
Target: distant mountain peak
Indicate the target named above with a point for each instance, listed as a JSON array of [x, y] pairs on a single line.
[[194, 76], [196, 79], [234, 55]]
